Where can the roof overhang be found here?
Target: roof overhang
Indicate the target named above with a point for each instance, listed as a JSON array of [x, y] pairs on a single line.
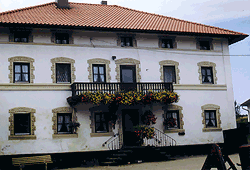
[[246, 103]]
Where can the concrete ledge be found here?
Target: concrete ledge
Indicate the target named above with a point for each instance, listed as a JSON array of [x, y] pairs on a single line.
[[35, 87], [211, 87], [55, 136], [211, 129], [22, 137], [101, 134]]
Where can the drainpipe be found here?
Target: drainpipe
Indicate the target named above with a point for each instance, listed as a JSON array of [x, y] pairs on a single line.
[[247, 112]]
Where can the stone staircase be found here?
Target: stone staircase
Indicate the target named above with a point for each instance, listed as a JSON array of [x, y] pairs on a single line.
[[136, 154]]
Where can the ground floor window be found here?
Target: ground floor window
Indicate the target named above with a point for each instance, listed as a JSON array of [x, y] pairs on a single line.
[[63, 123], [22, 124], [172, 119], [101, 123], [210, 118]]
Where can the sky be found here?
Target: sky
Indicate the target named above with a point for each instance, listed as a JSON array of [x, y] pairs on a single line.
[[230, 14]]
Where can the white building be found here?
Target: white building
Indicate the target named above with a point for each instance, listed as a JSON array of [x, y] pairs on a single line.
[[46, 48]]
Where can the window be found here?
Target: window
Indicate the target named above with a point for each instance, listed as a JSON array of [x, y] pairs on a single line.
[[207, 72], [21, 72], [128, 61], [166, 43], [126, 42], [211, 118], [204, 45], [62, 119], [63, 123], [173, 119], [21, 69], [101, 123], [99, 62], [62, 70], [169, 74], [169, 71], [22, 123], [63, 73], [21, 36], [99, 73], [207, 75], [62, 38]]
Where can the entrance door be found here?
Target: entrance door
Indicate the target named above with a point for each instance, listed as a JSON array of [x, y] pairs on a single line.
[[128, 77], [130, 118]]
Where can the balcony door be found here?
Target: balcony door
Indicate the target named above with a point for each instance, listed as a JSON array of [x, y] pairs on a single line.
[[128, 77]]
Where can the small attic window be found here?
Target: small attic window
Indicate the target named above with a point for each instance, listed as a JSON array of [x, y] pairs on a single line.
[[205, 45], [62, 38]]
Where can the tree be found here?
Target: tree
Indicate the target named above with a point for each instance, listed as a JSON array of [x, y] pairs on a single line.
[[237, 109]]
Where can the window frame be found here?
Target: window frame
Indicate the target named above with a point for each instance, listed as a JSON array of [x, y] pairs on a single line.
[[170, 63], [61, 37], [99, 61], [167, 38], [178, 119], [207, 40], [21, 64], [28, 125], [62, 110], [55, 33], [101, 122], [64, 114], [93, 133], [18, 32], [170, 108], [211, 107], [98, 74], [207, 64], [63, 60], [210, 117], [22, 110], [21, 59]]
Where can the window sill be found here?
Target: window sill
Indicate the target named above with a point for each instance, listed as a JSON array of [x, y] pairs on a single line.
[[56, 136], [24, 82], [211, 129], [174, 130], [63, 83], [101, 134], [22, 137]]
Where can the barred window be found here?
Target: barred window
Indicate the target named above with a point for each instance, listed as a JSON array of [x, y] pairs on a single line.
[[63, 74]]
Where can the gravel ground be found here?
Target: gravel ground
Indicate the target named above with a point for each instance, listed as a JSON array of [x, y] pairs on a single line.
[[180, 163]]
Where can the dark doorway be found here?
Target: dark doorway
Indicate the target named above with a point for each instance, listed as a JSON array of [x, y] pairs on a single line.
[[128, 77], [130, 118]]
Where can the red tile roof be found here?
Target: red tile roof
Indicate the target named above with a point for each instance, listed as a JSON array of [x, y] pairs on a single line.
[[106, 16]]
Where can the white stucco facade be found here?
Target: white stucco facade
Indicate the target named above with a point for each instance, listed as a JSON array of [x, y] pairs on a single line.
[[43, 95]]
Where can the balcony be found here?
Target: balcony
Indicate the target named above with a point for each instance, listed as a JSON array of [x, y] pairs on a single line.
[[78, 88]]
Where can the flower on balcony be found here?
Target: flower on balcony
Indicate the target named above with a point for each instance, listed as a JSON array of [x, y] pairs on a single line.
[[125, 98]]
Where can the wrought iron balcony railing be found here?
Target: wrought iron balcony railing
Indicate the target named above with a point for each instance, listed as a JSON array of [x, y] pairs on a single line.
[[78, 88]]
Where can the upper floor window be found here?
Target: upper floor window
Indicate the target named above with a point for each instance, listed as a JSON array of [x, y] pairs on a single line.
[[63, 123], [167, 43], [63, 73], [207, 75], [62, 38], [169, 74], [21, 36], [204, 45], [126, 42], [99, 73], [21, 72]]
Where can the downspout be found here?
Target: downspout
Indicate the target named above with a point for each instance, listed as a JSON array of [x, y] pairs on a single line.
[[247, 112]]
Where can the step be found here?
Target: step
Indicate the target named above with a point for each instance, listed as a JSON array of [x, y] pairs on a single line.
[[114, 158], [119, 154]]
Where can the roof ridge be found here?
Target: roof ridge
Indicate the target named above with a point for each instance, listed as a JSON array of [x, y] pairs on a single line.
[[191, 22], [26, 8]]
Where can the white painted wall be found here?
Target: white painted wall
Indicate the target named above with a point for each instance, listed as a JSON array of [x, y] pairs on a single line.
[[45, 101]]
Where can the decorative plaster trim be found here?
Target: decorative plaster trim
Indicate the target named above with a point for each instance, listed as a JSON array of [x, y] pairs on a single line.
[[218, 115], [54, 120], [179, 108], [170, 63], [99, 61], [207, 64], [212, 87], [21, 59], [35, 87], [22, 110], [66, 61], [127, 61]]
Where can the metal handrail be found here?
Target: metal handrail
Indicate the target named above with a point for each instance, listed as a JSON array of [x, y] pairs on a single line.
[[115, 143], [109, 139]]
